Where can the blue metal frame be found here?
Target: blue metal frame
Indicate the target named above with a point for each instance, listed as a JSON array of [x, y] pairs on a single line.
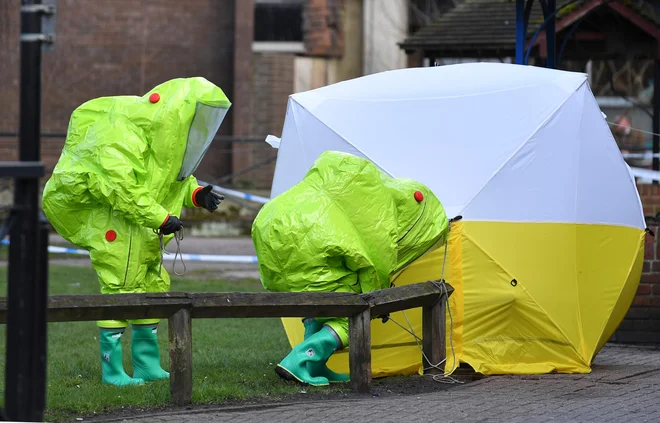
[[521, 31], [522, 20], [550, 33]]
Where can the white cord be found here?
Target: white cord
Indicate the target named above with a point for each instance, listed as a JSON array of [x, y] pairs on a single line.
[[178, 237], [632, 129], [162, 249], [443, 378]]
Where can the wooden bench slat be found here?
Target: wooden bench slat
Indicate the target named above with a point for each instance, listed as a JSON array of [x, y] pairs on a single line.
[[71, 308], [404, 297], [180, 308], [119, 313], [257, 311], [277, 304], [67, 308]]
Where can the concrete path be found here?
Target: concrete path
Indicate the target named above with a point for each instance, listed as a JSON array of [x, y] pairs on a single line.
[[623, 387]]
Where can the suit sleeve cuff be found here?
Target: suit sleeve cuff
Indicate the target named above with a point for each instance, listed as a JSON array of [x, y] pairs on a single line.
[[194, 194], [164, 221]]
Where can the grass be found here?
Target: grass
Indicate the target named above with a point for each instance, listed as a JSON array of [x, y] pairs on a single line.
[[233, 359]]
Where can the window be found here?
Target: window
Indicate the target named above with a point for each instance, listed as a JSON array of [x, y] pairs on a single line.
[[278, 25]]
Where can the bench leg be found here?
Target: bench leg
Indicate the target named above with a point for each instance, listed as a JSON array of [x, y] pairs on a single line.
[[359, 351], [433, 328], [180, 334]]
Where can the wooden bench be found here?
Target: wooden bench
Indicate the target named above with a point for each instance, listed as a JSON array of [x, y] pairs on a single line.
[[180, 308]]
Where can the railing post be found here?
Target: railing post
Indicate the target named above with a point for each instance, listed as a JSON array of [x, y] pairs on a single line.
[[359, 351], [180, 337], [433, 329], [26, 336]]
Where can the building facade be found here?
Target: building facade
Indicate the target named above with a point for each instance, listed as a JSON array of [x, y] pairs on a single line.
[[118, 47], [258, 51]]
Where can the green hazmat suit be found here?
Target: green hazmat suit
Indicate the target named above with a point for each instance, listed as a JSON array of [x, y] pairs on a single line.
[[346, 227], [126, 166]]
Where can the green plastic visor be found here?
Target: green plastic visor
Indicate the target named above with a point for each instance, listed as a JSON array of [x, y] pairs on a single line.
[[204, 126]]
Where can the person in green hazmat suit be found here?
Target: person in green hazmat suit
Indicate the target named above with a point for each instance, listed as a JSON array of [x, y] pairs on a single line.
[[117, 190], [346, 227]]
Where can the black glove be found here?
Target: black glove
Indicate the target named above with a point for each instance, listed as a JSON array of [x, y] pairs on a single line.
[[171, 225], [208, 199]]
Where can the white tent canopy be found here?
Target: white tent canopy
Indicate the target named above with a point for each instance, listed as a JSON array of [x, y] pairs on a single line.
[[493, 141]]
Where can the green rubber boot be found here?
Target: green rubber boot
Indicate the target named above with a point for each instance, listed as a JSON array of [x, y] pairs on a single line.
[[112, 366], [146, 355], [317, 348], [320, 368]]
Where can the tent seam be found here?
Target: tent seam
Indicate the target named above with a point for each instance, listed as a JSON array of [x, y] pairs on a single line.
[[295, 123], [616, 225], [632, 265], [568, 341], [631, 178], [524, 143], [639, 199], [576, 227]]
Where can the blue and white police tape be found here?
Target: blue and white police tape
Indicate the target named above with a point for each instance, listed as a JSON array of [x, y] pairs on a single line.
[[237, 194], [213, 258], [55, 249], [647, 174], [647, 155], [209, 258]]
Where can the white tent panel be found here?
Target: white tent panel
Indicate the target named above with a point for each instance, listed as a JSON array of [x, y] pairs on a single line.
[[304, 138], [571, 170], [462, 80], [493, 141], [453, 144], [606, 192], [539, 182]]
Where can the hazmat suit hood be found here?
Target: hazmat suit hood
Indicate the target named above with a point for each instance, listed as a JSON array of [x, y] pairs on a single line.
[[178, 119], [346, 227], [419, 214], [190, 114], [125, 168]]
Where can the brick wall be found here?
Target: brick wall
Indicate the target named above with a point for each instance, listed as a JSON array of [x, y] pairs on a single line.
[[116, 47], [650, 195], [243, 35], [272, 83], [264, 96], [642, 322]]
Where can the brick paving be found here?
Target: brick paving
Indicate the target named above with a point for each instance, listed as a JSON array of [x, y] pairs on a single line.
[[624, 386]]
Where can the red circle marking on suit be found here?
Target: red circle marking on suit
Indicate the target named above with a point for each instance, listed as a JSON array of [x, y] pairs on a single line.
[[154, 98], [419, 196], [111, 235]]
